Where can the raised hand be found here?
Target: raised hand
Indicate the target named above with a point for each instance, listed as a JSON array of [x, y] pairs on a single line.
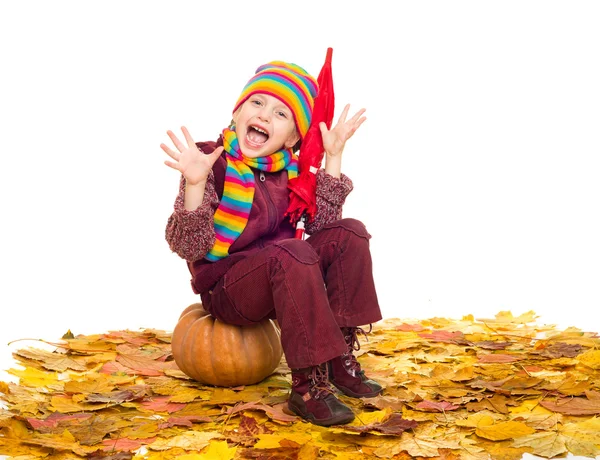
[[189, 160], [334, 139]]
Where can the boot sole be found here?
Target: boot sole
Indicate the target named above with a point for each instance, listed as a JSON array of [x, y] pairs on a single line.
[[339, 420], [349, 392]]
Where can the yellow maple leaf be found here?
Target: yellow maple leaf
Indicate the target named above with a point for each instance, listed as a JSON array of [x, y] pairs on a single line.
[[578, 438], [216, 450], [189, 440], [273, 441], [35, 378], [308, 451], [500, 431], [427, 446], [69, 404], [546, 443], [590, 358], [586, 431], [483, 418]]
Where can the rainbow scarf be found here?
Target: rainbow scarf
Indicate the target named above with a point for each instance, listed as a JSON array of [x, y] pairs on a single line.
[[232, 214]]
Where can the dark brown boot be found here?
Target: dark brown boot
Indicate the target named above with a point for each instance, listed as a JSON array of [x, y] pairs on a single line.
[[312, 398], [345, 371]]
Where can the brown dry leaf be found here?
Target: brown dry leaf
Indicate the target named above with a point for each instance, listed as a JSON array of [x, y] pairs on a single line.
[[52, 361], [63, 442], [392, 425], [573, 406], [434, 406], [141, 365], [274, 412], [497, 403], [499, 358]]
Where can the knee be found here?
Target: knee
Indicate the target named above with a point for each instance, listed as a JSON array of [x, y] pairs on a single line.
[[353, 227], [298, 250]]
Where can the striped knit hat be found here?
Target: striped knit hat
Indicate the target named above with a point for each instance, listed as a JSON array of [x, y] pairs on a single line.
[[289, 83]]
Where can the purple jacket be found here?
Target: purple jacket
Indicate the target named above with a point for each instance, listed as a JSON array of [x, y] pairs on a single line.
[[191, 234]]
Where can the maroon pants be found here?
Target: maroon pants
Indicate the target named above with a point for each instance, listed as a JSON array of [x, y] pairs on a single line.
[[313, 287]]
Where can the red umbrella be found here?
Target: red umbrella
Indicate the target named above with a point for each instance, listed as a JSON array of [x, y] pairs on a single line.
[[303, 188]]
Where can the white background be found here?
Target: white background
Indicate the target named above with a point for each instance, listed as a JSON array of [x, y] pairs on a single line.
[[476, 171]]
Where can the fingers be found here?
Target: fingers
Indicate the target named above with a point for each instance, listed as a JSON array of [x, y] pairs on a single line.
[[356, 119], [357, 115], [170, 152], [216, 153], [344, 114], [172, 165], [360, 122], [176, 141], [188, 137]]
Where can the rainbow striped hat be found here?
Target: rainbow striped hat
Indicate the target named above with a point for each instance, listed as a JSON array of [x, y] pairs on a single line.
[[289, 83]]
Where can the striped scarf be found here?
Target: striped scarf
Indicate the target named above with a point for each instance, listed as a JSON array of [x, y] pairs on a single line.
[[231, 216]]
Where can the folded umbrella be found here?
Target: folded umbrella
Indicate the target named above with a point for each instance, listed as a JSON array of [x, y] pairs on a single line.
[[303, 188]]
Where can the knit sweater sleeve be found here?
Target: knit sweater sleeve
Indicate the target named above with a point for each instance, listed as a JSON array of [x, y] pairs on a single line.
[[191, 234], [331, 195]]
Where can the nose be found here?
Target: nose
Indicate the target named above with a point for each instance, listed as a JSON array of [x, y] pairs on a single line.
[[264, 114]]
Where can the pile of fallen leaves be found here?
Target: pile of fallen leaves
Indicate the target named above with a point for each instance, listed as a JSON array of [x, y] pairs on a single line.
[[469, 389]]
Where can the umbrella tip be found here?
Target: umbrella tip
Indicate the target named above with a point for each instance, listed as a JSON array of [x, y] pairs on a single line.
[[329, 53]]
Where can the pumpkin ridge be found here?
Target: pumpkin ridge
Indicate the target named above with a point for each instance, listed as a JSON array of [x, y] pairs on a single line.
[[211, 333]]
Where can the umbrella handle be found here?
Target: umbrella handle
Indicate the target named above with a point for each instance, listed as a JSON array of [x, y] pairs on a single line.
[[300, 227]]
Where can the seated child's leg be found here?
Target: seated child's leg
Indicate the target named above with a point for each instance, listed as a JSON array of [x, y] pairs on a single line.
[[345, 259]]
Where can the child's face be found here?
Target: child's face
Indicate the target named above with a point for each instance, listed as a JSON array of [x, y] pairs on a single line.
[[264, 125]]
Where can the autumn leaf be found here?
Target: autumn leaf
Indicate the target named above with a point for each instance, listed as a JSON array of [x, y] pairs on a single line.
[[217, 450], [499, 358], [275, 412], [590, 358], [189, 440], [53, 361], [573, 406], [161, 404], [454, 389], [393, 425], [34, 377], [446, 336], [489, 429], [274, 441], [186, 420], [125, 444], [441, 406]]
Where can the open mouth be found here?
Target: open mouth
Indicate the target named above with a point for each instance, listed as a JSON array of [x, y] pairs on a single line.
[[256, 136]]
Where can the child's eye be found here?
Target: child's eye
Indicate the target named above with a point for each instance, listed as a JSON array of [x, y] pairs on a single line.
[[256, 102], [282, 114]]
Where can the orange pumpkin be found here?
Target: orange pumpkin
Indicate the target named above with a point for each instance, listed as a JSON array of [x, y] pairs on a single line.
[[211, 351]]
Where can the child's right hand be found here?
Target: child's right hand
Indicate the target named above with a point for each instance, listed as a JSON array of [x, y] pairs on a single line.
[[190, 161]]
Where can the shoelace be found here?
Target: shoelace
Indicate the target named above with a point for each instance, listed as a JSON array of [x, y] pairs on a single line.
[[320, 386], [351, 338]]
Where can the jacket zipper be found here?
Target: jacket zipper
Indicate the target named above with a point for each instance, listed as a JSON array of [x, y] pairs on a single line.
[[271, 211]]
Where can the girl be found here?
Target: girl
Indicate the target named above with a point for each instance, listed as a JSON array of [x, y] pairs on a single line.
[[230, 225]]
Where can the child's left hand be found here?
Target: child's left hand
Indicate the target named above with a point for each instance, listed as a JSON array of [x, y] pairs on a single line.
[[335, 138]]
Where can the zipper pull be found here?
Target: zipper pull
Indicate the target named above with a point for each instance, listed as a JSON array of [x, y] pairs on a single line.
[[261, 176]]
